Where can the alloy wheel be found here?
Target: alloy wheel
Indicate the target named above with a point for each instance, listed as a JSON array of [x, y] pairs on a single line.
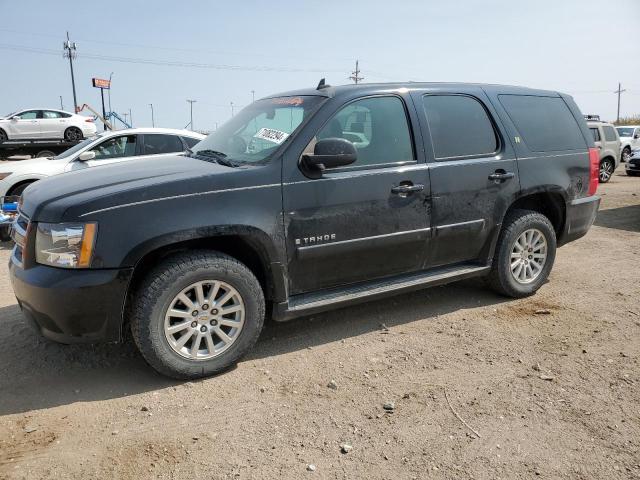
[[606, 170], [204, 320], [528, 256]]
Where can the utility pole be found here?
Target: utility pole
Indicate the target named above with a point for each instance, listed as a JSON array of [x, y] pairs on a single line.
[[110, 75], [61, 106], [232, 109], [153, 123], [70, 53], [619, 92], [125, 115], [130, 119], [191, 102], [355, 75], [253, 96]]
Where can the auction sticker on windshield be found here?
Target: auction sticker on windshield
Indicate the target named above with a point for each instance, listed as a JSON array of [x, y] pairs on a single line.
[[272, 135]]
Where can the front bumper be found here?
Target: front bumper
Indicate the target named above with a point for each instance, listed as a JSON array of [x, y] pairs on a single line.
[[72, 306], [633, 164], [581, 214]]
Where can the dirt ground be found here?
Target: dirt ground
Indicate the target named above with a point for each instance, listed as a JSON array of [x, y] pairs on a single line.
[[551, 385]]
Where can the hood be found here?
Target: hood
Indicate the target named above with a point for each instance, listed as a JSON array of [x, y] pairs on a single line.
[[65, 197]]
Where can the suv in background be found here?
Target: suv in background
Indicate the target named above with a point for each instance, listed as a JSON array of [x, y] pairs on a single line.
[[629, 140], [607, 142], [303, 202]]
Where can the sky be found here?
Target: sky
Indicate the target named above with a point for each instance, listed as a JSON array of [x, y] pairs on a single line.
[[216, 52]]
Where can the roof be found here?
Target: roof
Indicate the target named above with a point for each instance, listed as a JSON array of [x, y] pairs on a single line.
[[171, 131], [331, 91]]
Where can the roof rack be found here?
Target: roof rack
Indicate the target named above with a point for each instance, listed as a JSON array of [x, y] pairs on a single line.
[[594, 118]]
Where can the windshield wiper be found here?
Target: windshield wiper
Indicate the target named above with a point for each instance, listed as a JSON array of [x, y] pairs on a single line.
[[219, 157]]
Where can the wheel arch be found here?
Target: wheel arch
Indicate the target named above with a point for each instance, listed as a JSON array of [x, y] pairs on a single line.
[[551, 204]]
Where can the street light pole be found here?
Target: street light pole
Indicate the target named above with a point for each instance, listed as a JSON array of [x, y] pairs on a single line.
[[232, 109], [153, 123], [110, 75], [130, 118], [191, 102], [61, 106]]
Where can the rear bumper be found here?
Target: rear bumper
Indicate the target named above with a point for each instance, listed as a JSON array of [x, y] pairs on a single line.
[[581, 214], [72, 306]]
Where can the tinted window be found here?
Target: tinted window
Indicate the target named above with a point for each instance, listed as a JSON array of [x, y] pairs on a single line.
[[30, 115], [596, 134], [545, 123], [155, 144], [190, 141], [50, 114], [116, 147], [459, 126], [609, 133], [376, 126]]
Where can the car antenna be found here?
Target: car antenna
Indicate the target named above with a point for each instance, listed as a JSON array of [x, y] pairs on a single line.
[[322, 84]]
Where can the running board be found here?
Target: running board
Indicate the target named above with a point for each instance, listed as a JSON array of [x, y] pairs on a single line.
[[308, 303]]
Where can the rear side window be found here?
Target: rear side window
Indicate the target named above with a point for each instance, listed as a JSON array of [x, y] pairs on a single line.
[[545, 123], [609, 133], [50, 114], [596, 134], [190, 141], [459, 126], [155, 144]]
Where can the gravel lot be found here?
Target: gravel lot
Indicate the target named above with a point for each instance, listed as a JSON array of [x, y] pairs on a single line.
[[551, 385]]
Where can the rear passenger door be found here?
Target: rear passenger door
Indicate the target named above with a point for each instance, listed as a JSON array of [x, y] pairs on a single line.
[[474, 176], [156, 144]]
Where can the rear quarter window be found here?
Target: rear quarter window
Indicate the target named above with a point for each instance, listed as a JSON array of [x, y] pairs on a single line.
[[545, 123], [609, 133]]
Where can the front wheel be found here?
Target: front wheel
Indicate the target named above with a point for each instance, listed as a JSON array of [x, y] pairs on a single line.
[[633, 174], [73, 134], [524, 255], [196, 314], [606, 170], [626, 154]]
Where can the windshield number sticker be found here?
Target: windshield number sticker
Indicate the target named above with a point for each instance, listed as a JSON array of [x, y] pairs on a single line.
[[271, 135]]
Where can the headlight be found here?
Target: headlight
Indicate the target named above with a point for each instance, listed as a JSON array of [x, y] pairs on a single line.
[[68, 245]]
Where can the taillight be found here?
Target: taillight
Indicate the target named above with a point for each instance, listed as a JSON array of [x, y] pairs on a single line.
[[594, 170]]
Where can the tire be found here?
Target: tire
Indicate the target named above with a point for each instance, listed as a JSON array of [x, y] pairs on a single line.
[[626, 154], [607, 166], [159, 292], [5, 233], [45, 153], [17, 190], [3, 136], [633, 174], [501, 278], [73, 134]]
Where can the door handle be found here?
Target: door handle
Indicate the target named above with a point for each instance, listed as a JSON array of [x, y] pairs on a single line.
[[404, 188], [501, 176]]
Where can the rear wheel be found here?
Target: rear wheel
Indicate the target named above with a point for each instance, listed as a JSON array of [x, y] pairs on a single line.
[[45, 153], [73, 134], [3, 135], [633, 174], [626, 154], [196, 314], [524, 254], [606, 170]]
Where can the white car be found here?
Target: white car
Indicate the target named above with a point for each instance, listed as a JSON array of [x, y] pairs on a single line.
[[45, 123], [630, 138], [107, 147]]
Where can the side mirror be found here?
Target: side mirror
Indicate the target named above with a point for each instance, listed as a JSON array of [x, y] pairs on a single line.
[[330, 153], [88, 155], [15, 119]]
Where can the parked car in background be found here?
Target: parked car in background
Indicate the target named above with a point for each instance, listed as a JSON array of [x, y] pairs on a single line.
[[629, 140], [632, 167], [45, 123], [607, 142], [107, 147], [284, 208]]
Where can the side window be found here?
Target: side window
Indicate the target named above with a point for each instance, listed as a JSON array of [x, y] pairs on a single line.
[[155, 144], [116, 147], [28, 115], [376, 126], [609, 133], [459, 126], [545, 123], [596, 134], [50, 114], [65, 115], [191, 142]]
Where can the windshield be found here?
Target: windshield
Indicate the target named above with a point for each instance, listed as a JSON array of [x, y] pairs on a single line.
[[258, 130], [625, 132], [75, 148]]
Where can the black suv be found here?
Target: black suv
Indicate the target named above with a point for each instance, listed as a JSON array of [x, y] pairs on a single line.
[[306, 201]]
